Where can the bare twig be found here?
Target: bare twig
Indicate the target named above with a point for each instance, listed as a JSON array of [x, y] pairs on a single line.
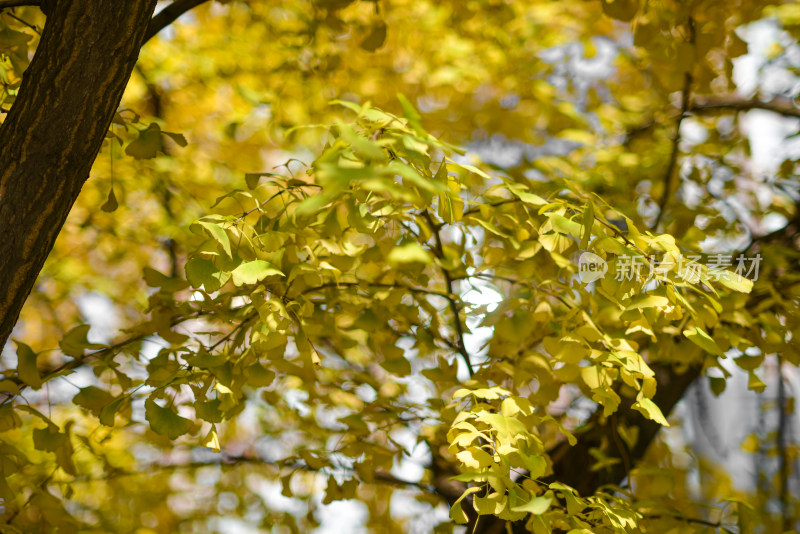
[[25, 22], [459, 327], [686, 95], [411, 289], [695, 520], [490, 276], [42, 487], [786, 232], [229, 460], [234, 331], [783, 470]]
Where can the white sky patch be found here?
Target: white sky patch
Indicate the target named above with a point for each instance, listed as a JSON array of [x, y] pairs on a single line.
[[99, 312], [417, 455], [482, 294], [768, 133], [341, 517]]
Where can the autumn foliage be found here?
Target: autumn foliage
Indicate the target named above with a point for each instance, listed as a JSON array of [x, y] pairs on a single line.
[[336, 247]]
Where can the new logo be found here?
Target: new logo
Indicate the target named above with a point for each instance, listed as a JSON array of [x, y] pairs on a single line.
[[591, 267]]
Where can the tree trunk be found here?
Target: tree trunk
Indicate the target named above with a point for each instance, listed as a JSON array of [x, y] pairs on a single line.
[[52, 134], [571, 464]]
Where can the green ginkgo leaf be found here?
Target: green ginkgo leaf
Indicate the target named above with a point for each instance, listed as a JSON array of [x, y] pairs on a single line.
[[409, 253], [27, 370], [650, 410], [147, 145], [166, 421], [253, 272], [93, 399], [201, 272], [111, 203], [537, 505], [699, 337]]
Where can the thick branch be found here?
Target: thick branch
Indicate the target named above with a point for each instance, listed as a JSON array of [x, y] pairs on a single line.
[[569, 463], [686, 95], [19, 3], [170, 14], [707, 105], [781, 106]]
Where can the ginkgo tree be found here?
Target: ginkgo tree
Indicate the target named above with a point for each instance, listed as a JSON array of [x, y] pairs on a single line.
[[312, 309]]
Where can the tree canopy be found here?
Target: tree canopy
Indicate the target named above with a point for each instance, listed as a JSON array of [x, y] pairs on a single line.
[[455, 262]]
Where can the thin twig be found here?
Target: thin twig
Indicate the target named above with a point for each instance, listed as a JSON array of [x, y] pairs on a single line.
[[25, 22], [42, 486], [412, 289], [696, 520], [489, 276], [233, 331], [77, 362], [439, 250], [783, 469], [477, 210], [228, 460], [617, 231], [754, 240]]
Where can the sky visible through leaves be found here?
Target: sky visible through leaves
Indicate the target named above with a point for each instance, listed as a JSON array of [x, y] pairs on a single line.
[[324, 276]]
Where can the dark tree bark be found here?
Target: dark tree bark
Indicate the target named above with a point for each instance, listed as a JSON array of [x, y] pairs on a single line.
[[52, 134], [572, 464]]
